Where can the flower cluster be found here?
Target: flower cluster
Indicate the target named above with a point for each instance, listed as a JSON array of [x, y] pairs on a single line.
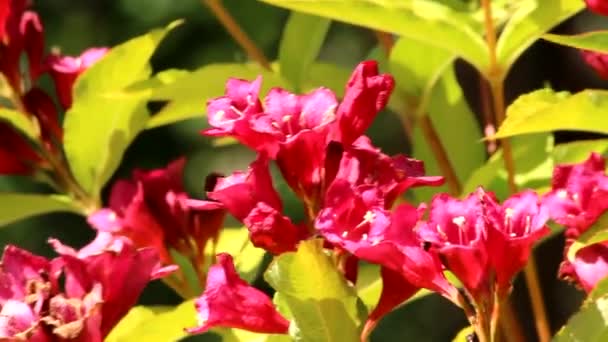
[[21, 32], [77, 296], [153, 210], [579, 197], [348, 189]]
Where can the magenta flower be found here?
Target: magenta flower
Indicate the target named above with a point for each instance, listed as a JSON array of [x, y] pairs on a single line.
[[373, 234], [251, 198], [367, 93], [131, 270], [65, 69], [579, 194], [598, 61], [228, 301], [514, 228], [457, 229], [378, 177], [598, 6], [100, 284], [590, 265], [154, 210], [288, 126]]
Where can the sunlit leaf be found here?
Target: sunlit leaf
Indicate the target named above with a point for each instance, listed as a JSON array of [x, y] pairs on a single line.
[[546, 111], [594, 41], [590, 324], [155, 323], [324, 306], [21, 122], [578, 151], [598, 232], [529, 23], [99, 129], [301, 42], [427, 21], [17, 206], [533, 166]]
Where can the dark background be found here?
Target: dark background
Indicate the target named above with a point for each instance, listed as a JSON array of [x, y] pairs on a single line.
[[73, 26]]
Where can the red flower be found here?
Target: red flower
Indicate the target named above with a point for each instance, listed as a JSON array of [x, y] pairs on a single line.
[[289, 126], [379, 178], [251, 198], [65, 69], [119, 268], [458, 230], [367, 92], [17, 156], [514, 228], [228, 301], [101, 283], [579, 196], [374, 234], [154, 210], [598, 61], [598, 6]]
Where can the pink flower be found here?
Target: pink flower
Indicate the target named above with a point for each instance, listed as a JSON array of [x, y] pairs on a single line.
[[374, 234], [579, 196], [367, 92], [598, 6], [100, 284], [457, 228], [251, 198], [598, 61], [228, 301], [154, 210], [289, 126], [514, 228], [590, 265], [65, 69], [378, 177]]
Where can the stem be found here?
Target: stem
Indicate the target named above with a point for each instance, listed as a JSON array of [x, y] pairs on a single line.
[[386, 40], [495, 76], [237, 32], [432, 138], [489, 128]]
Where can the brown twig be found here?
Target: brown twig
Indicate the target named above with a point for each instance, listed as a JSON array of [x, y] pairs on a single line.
[[237, 33], [495, 75], [432, 138], [386, 40]]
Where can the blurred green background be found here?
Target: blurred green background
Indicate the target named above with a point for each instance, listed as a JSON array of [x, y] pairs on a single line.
[[73, 26]]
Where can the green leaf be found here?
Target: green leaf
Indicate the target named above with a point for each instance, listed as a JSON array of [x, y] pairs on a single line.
[[327, 75], [594, 41], [598, 232], [155, 323], [463, 334], [324, 306], [528, 24], [590, 324], [21, 122], [301, 42], [238, 335], [546, 111], [533, 166], [578, 151], [427, 21], [17, 206], [188, 271], [98, 129]]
